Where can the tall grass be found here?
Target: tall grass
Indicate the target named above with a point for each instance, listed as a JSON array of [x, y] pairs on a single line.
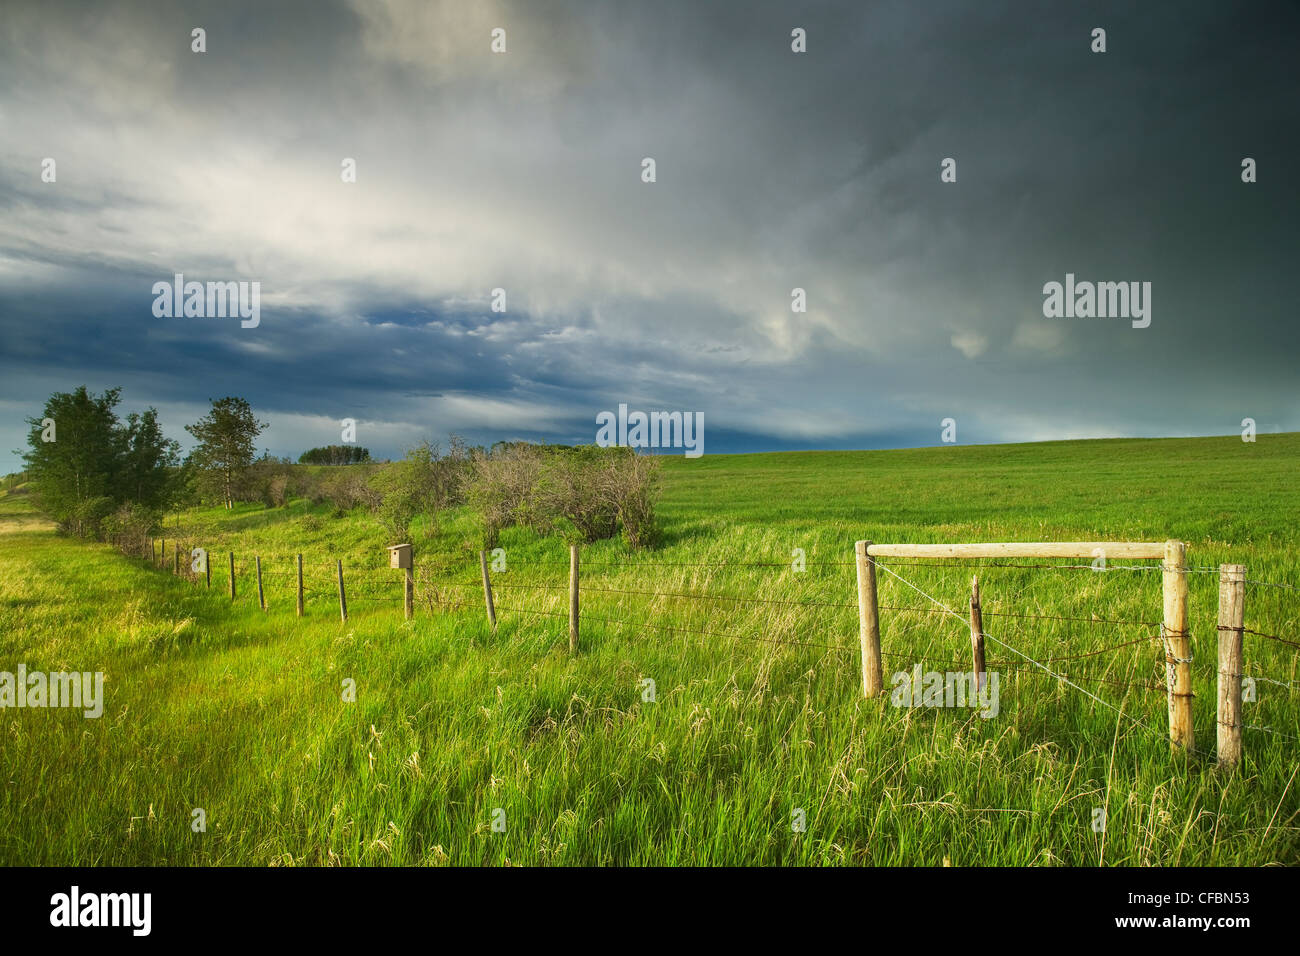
[[757, 713]]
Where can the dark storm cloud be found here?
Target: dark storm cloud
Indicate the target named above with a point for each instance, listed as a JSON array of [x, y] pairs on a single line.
[[775, 170]]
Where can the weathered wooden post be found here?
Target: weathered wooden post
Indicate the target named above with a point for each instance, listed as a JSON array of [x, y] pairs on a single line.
[[873, 681], [300, 585], [343, 599], [409, 590], [487, 591], [232, 575], [399, 556], [261, 595], [573, 599], [1178, 646], [977, 633], [1232, 618], [207, 566]]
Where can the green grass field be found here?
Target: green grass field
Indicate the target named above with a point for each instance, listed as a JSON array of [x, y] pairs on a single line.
[[240, 712]]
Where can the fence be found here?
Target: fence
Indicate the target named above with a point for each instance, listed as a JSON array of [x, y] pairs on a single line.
[[379, 586], [1174, 630]]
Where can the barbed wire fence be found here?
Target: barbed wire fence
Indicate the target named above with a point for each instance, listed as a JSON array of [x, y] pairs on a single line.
[[287, 580]]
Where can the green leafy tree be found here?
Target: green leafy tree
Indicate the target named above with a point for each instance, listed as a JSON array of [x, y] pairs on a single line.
[[76, 454], [227, 442], [85, 463], [146, 477]]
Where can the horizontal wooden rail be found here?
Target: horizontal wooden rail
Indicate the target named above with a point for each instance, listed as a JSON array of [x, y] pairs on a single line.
[[1131, 550]]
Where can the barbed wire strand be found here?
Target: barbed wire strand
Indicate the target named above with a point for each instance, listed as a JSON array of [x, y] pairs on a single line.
[[1019, 653]]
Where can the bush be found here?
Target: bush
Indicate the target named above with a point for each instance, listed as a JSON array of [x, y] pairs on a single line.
[[311, 486], [87, 517], [587, 493], [425, 482], [303, 483], [397, 487], [131, 529], [572, 492], [633, 486], [266, 480], [277, 491], [347, 489], [502, 489]]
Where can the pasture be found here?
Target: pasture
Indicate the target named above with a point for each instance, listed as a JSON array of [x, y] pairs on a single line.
[[757, 722]]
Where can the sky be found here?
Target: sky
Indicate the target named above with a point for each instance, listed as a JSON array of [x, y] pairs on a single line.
[[774, 170]]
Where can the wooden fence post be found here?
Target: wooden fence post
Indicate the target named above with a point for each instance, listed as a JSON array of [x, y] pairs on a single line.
[[977, 633], [573, 599], [1232, 618], [868, 623], [1178, 646], [300, 585], [343, 599], [207, 566], [487, 591], [261, 595], [410, 591], [232, 575]]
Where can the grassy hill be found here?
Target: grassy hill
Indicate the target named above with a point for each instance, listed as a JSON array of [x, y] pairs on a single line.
[[757, 714]]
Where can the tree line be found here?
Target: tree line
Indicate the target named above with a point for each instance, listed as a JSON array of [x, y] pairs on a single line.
[[335, 455], [103, 477]]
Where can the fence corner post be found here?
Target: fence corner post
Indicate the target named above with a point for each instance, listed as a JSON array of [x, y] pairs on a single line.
[[1232, 619], [868, 622]]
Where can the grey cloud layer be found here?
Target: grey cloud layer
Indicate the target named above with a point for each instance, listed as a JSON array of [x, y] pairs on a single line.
[[775, 170]]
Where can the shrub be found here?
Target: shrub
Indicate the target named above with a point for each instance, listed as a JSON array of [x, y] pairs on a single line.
[[502, 489], [131, 529], [266, 480], [573, 493], [87, 517], [277, 491], [345, 489], [425, 482], [587, 493], [633, 486], [398, 498]]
